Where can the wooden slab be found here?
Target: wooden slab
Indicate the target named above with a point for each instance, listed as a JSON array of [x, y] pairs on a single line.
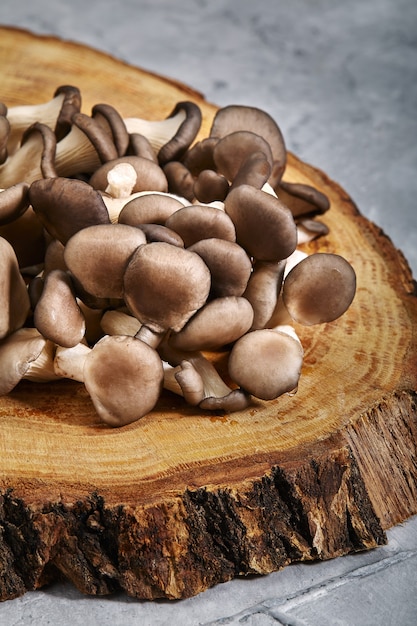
[[182, 500]]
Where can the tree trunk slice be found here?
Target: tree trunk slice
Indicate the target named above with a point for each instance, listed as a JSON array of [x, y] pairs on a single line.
[[182, 500]]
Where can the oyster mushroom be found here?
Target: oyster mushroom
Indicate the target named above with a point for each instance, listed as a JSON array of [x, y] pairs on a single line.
[[66, 205], [196, 222], [164, 286], [267, 362], [25, 354], [235, 148], [205, 331], [13, 202], [14, 297], [319, 289], [265, 227], [148, 176], [302, 199], [122, 375], [57, 315], [170, 137], [150, 208], [230, 266], [263, 290], [34, 159], [52, 113], [233, 118], [97, 257]]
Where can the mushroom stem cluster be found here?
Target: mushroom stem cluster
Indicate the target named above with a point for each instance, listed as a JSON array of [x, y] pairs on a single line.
[[136, 258]]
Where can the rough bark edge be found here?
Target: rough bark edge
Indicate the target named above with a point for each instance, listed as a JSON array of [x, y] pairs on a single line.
[[316, 508]]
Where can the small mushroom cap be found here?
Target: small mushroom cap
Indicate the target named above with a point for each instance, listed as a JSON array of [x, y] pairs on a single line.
[[319, 289], [210, 186], [196, 222], [150, 208], [266, 363], [218, 323], [157, 232], [302, 199], [263, 289], [232, 151], [165, 285], [57, 315], [66, 206], [265, 227], [230, 266], [17, 352], [180, 180], [97, 257], [124, 378], [149, 176], [239, 117]]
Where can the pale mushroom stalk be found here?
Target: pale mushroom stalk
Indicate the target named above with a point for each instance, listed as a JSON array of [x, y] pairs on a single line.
[[25, 354], [157, 132], [121, 179], [193, 376], [22, 116]]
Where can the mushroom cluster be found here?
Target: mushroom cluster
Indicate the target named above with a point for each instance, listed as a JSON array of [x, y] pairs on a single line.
[[131, 252]]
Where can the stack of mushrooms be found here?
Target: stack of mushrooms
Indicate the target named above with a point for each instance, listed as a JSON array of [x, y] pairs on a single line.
[[130, 253]]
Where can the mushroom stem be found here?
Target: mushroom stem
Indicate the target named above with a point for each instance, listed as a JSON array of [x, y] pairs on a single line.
[[193, 376], [69, 362]]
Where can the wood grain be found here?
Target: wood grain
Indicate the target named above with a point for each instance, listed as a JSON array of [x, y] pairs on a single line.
[[182, 500]]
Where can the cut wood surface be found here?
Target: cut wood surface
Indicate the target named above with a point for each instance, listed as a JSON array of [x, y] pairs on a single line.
[[182, 500]]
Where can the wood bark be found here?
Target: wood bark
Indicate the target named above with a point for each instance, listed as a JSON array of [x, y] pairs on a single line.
[[182, 499]]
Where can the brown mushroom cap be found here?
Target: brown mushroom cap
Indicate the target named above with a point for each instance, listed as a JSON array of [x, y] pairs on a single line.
[[266, 363], [149, 208], [264, 226], [57, 315], [196, 222], [149, 176], [200, 156], [180, 180], [230, 266], [158, 232], [210, 186], [319, 289], [216, 324], [17, 352], [302, 199], [13, 202], [263, 289], [98, 255], [239, 117], [124, 379], [165, 285], [66, 205], [233, 149], [255, 171]]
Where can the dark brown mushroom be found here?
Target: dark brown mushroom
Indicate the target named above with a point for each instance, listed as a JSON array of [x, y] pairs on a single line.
[[246, 118], [265, 227], [197, 222], [14, 201], [66, 206], [187, 131]]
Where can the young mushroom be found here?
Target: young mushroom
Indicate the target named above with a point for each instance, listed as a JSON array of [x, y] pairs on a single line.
[[267, 362], [319, 289], [265, 227], [245, 118], [164, 286], [122, 375], [57, 315], [204, 332], [25, 354]]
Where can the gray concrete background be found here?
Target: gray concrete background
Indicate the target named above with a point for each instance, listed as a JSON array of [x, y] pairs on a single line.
[[341, 81]]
